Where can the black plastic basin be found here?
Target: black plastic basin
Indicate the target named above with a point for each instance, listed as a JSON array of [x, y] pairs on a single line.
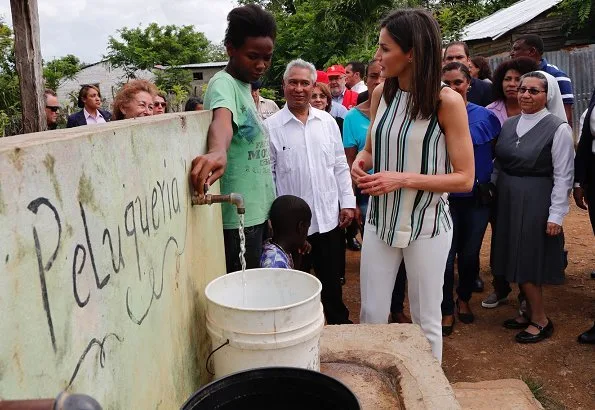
[[274, 388]]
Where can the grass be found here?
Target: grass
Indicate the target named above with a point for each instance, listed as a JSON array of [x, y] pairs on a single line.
[[540, 392]]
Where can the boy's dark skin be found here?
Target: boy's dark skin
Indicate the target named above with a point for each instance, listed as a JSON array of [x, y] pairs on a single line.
[[294, 242], [247, 63]]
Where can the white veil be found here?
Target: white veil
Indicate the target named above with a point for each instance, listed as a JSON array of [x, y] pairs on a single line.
[[554, 103]]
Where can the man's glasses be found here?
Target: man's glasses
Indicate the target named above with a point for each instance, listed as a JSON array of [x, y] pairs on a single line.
[[160, 104], [532, 91], [52, 108]]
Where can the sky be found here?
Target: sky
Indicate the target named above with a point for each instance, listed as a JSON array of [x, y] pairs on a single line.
[[82, 27]]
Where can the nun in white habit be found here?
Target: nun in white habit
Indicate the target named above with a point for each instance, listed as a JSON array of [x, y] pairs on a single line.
[[533, 173]]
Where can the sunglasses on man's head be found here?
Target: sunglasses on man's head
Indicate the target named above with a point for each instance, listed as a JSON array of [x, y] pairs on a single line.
[[160, 104], [52, 108]]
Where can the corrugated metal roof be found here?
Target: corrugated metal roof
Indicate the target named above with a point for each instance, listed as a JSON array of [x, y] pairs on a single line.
[[502, 21], [204, 65]]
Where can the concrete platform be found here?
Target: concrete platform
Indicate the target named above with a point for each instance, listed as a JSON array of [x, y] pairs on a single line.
[[506, 394], [386, 366]]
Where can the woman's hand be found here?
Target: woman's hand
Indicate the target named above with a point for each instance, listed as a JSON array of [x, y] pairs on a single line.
[[382, 182], [553, 229], [579, 197]]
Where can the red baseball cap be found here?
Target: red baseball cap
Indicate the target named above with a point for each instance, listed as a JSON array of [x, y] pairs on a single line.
[[336, 69], [321, 77]]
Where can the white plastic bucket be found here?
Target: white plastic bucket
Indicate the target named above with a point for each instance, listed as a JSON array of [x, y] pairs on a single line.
[[278, 325]]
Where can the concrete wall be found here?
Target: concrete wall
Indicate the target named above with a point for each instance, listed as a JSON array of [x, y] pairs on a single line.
[[103, 263]]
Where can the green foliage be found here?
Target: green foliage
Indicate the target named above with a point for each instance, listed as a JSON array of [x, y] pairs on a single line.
[[166, 80], [60, 69], [10, 96], [578, 14], [156, 45], [216, 53], [177, 98]]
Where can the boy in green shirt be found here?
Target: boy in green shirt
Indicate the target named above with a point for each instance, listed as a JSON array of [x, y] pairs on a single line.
[[238, 147]]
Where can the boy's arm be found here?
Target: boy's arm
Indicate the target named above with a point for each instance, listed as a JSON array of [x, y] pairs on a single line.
[[210, 167]]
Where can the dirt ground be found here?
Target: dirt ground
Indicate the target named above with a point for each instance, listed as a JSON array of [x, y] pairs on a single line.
[[484, 350]]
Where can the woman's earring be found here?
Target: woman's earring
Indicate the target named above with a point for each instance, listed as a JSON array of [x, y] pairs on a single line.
[[410, 60]]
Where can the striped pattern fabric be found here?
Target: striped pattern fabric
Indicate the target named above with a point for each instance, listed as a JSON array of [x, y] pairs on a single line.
[[404, 144]]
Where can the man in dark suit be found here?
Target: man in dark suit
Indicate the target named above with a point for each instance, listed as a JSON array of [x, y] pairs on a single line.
[[90, 102], [480, 92], [584, 182]]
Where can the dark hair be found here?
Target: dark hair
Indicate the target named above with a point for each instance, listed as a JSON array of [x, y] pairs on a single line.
[[369, 64], [249, 21], [326, 91], [128, 92], [416, 29], [363, 97], [455, 65], [287, 211], [192, 103], [83, 94], [456, 43], [536, 74], [485, 72], [532, 40], [523, 65], [358, 67]]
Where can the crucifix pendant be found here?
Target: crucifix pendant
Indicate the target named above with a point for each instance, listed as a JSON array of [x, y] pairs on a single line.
[[518, 141]]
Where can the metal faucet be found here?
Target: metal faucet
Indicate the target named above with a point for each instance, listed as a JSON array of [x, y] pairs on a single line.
[[209, 199]]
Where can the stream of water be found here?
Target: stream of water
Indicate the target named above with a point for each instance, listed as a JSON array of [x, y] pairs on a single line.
[[242, 257]]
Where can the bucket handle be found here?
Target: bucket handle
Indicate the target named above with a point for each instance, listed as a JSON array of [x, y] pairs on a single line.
[[211, 354]]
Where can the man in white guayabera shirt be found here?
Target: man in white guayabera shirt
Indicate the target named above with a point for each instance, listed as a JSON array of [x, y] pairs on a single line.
[[308, 161]]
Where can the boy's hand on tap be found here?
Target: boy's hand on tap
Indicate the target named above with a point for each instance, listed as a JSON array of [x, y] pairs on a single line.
[[206, 169]]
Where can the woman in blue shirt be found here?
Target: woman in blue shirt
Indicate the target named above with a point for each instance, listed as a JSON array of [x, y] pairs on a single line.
[[470, 211]]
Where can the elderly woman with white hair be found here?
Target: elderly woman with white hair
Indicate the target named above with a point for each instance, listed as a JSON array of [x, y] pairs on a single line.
[[533, 174]]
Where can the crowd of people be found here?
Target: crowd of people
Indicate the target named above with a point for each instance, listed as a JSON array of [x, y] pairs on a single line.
[[418, 149]]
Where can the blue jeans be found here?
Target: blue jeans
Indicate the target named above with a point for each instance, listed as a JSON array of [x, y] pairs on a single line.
[[470, 221]]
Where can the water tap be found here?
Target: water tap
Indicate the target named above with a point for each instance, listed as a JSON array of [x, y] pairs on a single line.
[[209, 199]]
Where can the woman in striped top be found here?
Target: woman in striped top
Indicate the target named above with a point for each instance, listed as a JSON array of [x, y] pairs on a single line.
[[420, 148]]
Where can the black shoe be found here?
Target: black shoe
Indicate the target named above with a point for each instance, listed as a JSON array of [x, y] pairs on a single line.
[[515, 324], [544, 332], [353, 244], [447, 330], [478, 285], [464, 317], [588, 337]]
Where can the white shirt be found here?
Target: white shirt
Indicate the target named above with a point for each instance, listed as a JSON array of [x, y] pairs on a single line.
[[93, 120], [359, 87], [266, 107], [562, 160], [308, 161], [338, 110]]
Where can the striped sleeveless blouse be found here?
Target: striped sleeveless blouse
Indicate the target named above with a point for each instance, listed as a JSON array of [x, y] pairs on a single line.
[[403, 144]]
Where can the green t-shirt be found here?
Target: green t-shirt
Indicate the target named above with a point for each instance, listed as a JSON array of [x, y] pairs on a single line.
[[248, 169]]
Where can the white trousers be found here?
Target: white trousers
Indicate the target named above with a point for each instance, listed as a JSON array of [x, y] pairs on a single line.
[[425, 260]]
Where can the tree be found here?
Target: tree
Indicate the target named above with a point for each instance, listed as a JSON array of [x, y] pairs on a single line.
[[578, 14], [60, 69], [143, 49], [10, 94]]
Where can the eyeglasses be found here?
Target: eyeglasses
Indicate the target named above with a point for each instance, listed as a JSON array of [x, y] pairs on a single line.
[[532, 91], [160, 104], [52, 108]]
